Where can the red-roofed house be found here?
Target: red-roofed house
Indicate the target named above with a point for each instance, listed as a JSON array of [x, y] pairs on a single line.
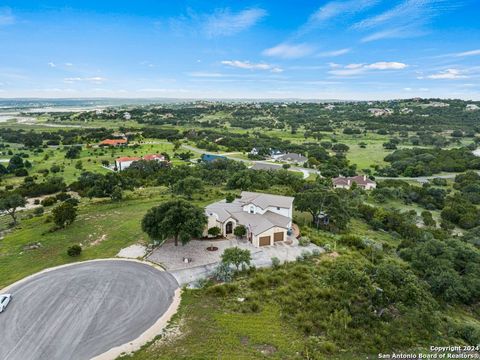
[[154, 157], [362, 181], [113, 142]]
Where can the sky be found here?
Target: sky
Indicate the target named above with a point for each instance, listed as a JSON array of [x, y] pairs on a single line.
[[345, 49]]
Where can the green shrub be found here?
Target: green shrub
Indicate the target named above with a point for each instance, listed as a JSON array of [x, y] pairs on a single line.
[[304, 241], [275, 262], [74, 250], [38, 211], [49, 201], [352, 241], [214, 231]]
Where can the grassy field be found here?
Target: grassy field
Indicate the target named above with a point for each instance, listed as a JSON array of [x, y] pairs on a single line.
[[367, 157], [102, 227], [90, 158], [204, 328]]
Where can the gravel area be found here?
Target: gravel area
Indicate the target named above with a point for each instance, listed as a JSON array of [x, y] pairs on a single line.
[[133, 252]]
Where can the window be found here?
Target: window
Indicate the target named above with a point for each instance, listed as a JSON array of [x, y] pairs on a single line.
[[252, 209], [278, 208]]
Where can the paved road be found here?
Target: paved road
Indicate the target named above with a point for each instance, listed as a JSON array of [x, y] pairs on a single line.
[[80, 311], [305, 171], [422, 179]]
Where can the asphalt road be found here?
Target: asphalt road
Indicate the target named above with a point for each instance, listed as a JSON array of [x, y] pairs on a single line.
[[83, 310]]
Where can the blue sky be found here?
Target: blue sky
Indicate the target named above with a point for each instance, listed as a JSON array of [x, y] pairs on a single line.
[[352, 49]]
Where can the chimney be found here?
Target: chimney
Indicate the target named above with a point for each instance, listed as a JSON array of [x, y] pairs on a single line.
[[364, 177]]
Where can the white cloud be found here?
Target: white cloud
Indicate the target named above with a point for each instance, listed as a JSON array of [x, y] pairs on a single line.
[[222, 22], [6, 17], [68, 64], [407, 19], [356, 69], [449, 74], [384, 65], [205, 74], [394, 33], [52, 64], [93, 79], [336, 8], [334, 53], [467, 53], [289, 51], [252, 66]]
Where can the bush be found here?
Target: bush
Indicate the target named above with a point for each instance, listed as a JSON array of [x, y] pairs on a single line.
[[306, 254], [352, 241], [304, 241], [49, 201], [38, 211], [275, 262], [240, 231], [21, 172], [74, 250], [214, 231], [223, 272]]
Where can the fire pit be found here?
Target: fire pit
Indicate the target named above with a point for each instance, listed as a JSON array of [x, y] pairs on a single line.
[[212, 248]]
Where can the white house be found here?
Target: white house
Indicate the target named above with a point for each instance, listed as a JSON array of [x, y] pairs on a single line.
[[291, 158], [266, 217], [123, 163]]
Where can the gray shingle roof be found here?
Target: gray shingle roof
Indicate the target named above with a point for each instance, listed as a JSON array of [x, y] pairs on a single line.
[[257, 222], [265, 166], [293, 157], [265, 200]]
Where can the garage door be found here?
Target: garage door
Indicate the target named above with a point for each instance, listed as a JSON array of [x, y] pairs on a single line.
[[264, 240], [278, 236]]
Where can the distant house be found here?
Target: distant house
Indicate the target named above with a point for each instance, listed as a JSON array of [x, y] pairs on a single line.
[[274, 153], [114, 142], [380, 112], [211, 157], [127, 116], [329, 107], [267, 218], [123, 163], [292, 158], [437, 104], [362, 181], [266, 166], [254, 151], [154, 157], [472, 107]]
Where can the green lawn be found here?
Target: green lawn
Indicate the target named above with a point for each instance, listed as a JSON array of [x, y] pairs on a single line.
[[102, 227], [90, 158], [367, 157]]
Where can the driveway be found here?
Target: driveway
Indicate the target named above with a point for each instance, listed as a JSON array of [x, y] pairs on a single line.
[[81, 311], [203, 262]]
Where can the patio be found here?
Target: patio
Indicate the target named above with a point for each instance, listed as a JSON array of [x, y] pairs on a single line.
[[202, 262]]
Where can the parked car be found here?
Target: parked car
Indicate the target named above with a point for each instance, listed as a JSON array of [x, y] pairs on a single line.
[[4, 300]]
